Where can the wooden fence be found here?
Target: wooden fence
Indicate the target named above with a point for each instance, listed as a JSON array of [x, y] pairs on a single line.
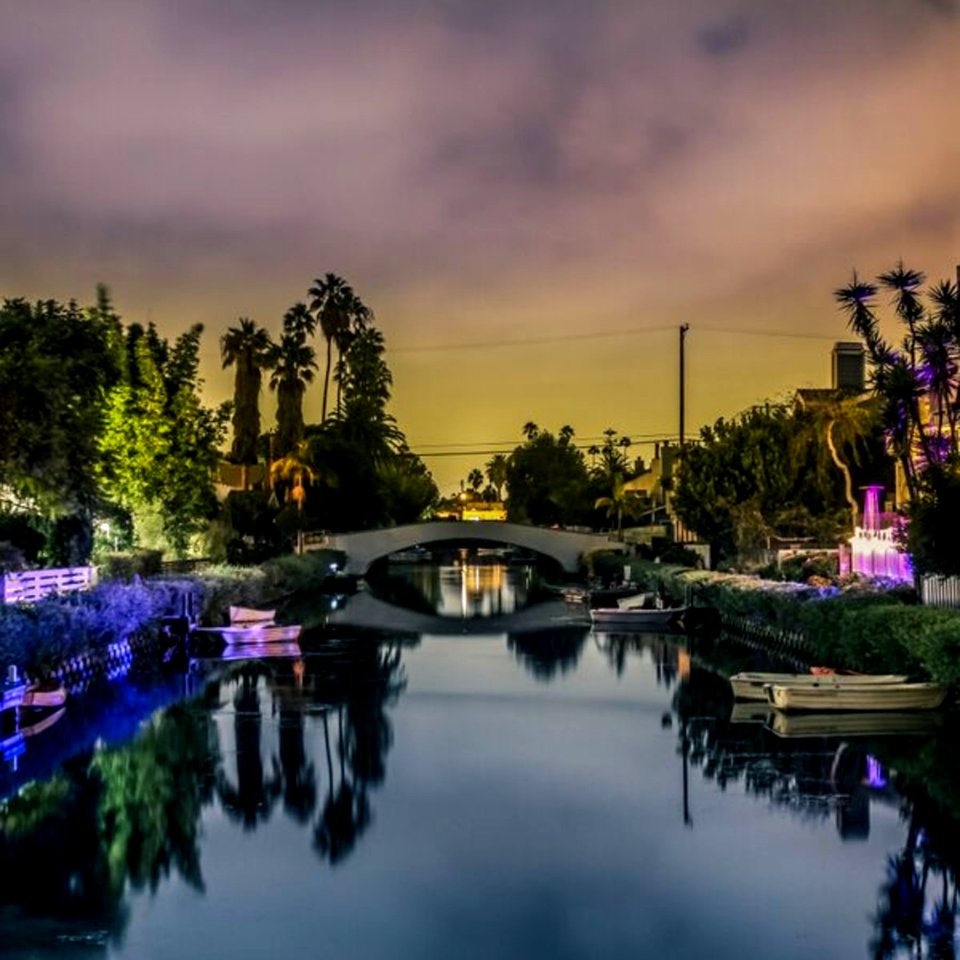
[[27, 586], [937, 591]]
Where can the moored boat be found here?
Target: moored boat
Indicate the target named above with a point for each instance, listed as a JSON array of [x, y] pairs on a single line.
[[637, 619], [248, 616], [750, 686], [839, 694], [267, 633], [44, 695]]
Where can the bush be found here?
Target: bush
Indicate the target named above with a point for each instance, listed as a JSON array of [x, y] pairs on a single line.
[[862, 625], [126, 566]]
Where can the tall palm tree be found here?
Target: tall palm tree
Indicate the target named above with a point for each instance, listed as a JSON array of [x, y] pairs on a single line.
[[340, 314], [248, 347], [293, 366], [497, 473]]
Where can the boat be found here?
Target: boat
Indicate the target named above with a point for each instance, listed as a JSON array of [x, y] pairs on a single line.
[[879, 723], [274, 650], [247, 616], [664, 618], [841, 694], [751, 686], [44, 695], [635, 602], [266, 633]]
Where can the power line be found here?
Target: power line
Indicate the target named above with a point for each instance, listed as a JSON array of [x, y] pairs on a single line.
[[508, 450], [529, 341], [635, 437]]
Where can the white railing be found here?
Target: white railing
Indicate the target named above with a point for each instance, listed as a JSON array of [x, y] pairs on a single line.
[[27, 586], [938, 591]]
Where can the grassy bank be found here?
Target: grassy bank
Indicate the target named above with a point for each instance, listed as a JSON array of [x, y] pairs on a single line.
[[38, 636], [859, 625]]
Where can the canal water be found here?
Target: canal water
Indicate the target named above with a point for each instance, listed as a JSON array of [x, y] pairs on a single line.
[[547, 793]]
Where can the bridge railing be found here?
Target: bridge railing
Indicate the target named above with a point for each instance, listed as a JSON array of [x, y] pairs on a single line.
[[27, 586]]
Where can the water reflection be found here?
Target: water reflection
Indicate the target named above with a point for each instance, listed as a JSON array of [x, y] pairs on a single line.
[[307, 741], [467, 588]]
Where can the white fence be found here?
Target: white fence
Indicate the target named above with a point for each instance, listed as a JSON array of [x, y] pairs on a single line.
[[29, 585], [937, 591]]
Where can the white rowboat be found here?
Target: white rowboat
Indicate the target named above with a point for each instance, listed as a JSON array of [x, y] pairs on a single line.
[[750, 686], [839, 695], [247, 616], [610, 617]]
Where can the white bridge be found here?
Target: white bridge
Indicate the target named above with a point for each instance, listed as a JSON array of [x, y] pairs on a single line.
[[569, 549]]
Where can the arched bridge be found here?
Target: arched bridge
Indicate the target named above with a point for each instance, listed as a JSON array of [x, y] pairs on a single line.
[[365, 547]]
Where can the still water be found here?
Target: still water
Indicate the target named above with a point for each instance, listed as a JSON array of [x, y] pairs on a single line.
[[552, 793]]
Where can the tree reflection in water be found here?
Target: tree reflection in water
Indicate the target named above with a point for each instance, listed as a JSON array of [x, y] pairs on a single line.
[[814, 776], [549, 653], [125, 817]]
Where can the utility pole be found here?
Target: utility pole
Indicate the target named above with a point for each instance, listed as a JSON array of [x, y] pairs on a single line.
[[684, 327]]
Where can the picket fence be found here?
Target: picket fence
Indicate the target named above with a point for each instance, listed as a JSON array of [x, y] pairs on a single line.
[[938, 591], [27, 586]]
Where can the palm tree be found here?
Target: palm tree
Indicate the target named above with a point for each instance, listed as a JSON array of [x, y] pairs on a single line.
[[293, 471], [844, 423], [249, 348], [293, 365], [340, 314], [618, 503], [530, 430], [497, 473], [475, 479]]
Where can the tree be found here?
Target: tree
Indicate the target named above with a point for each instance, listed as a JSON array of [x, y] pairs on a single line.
[[497, 473], [475, 479], [292, 363], [248, 348], [548, 480], [917, 385], [341, 315], [617, 503], [58, 363], [159, 446], [748, 476], [842, 425]]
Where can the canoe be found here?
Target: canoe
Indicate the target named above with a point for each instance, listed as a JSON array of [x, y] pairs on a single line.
[[843, 695], [858, 723], [247, 616], [639, 620], [44, 695], [750, 686]]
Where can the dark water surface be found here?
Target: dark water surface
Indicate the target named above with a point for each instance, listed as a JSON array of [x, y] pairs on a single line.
[[547, 794]]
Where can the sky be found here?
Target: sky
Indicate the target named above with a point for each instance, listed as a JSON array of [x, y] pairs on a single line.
[[531, 195]]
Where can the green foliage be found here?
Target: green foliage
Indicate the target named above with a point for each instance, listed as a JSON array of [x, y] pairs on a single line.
[[753, 477], [861, 627], [126, 566], [57, 365], [934, 527], [548, 480], [159, 446]]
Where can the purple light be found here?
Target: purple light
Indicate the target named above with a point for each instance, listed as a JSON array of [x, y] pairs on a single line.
[[876, 778]]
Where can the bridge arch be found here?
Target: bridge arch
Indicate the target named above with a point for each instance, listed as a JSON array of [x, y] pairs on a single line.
[[365, 547]]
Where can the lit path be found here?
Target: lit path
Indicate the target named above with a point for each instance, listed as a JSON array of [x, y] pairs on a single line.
[[569, 549], [368, 612]]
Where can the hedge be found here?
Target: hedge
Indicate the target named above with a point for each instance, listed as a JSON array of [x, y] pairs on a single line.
[[864, 626], [38, 636]]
